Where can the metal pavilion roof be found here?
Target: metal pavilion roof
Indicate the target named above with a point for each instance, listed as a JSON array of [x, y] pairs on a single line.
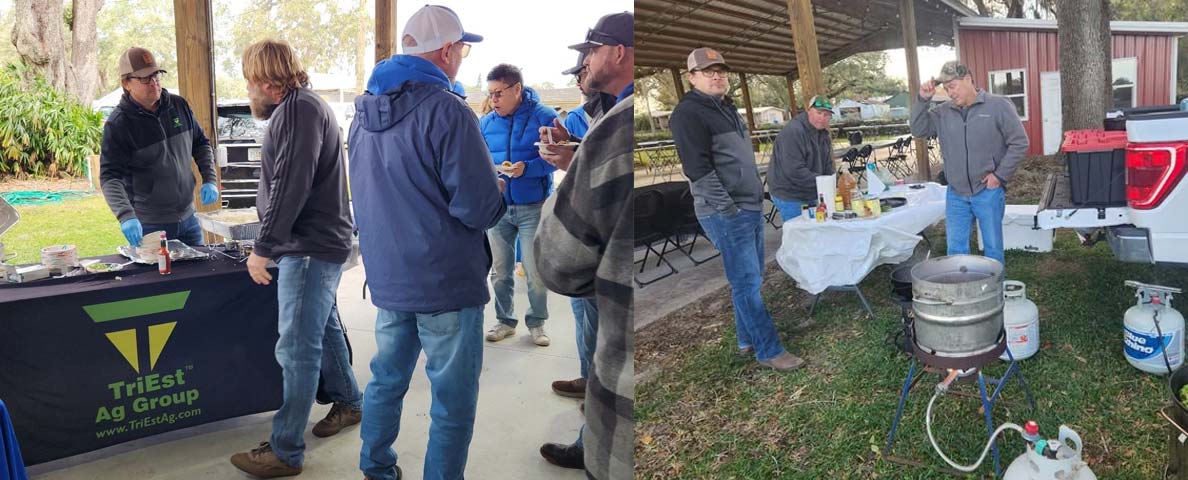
[[755, 37]]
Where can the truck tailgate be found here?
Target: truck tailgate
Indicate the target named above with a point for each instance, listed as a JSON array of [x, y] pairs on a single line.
[[1056, 209]]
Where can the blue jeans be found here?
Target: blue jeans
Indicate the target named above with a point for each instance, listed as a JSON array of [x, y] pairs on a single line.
[[518, 223], [790, 209], [585, 315], [740, 239], [988, 207], [453, 344], [189, 231], [311, 341]]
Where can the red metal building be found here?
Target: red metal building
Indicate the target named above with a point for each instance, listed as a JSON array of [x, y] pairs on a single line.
[[1020, 59]]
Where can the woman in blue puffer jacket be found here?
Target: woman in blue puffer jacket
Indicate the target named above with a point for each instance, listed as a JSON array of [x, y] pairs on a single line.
[[511, 131]]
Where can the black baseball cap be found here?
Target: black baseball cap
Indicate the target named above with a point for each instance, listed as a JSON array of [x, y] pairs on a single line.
[[612, 29], [578, 68]]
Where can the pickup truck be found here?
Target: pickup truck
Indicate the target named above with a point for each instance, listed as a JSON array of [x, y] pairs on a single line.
[[1151, 224]]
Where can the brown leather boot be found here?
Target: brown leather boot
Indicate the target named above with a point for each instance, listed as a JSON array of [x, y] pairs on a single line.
[[575, 388], [263, 462], [339, 418], [784, 362]]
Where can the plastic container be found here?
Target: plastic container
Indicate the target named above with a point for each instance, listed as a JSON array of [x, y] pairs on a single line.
[[1096, 167], [1019, 232]]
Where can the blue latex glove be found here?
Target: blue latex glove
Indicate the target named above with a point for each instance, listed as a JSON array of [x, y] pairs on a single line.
[[132, 231], [209, 193]]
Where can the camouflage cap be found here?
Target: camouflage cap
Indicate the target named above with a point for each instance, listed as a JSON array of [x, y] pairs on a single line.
[[951, 70]]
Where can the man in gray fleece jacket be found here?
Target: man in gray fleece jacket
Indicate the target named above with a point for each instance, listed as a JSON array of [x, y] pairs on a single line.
[[802, 151], [982, 143], [717, 156]]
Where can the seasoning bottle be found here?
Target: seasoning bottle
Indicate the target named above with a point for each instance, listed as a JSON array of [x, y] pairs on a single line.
[[839, 203], [821, 207], [164, 263]]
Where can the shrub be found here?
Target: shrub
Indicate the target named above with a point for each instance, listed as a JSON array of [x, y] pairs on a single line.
[[43, 132]]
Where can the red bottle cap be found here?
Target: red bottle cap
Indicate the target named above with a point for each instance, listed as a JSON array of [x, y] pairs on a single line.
[[1031, 427]]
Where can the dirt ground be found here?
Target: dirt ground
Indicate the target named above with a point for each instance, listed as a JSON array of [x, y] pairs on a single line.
[[44, 185]]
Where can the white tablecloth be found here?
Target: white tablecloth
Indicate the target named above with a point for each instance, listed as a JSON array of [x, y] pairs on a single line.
[[843, 252]]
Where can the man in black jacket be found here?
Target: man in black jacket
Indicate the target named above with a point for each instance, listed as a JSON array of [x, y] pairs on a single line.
[[306, 229], [144, 163], [717, 157], [802, 151]]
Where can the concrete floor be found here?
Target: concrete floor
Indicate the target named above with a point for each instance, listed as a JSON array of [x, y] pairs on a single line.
[[691, 282], [517, 412]]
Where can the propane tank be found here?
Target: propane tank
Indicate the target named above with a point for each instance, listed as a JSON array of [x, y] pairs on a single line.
[[1020, 317], [1051, 460], [1153, 328]]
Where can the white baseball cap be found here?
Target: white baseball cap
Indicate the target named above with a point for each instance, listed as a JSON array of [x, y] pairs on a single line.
[[432, 27]]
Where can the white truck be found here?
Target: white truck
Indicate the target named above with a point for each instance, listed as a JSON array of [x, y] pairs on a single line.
[[1148, 225]]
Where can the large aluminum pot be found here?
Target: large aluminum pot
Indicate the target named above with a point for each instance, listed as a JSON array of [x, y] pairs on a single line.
[[958, 304]]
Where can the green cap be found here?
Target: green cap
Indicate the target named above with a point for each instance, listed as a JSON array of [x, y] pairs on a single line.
[[820, 101]]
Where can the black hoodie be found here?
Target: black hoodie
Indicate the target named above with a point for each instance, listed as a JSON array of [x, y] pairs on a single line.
[[144, 164]]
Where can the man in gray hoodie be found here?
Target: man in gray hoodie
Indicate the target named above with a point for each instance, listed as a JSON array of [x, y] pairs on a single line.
[[717, 157], [982, 143]]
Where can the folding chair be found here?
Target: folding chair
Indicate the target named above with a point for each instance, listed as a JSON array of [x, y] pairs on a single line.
[[647, 208]]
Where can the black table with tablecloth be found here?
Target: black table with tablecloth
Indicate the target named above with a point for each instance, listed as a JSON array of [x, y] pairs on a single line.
[[97, 360]]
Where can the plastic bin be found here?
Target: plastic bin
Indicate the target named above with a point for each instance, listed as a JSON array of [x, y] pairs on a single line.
[[1096, 167], [1019, 232]]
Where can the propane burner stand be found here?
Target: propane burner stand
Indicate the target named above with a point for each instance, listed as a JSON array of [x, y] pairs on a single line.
[[974, 362]]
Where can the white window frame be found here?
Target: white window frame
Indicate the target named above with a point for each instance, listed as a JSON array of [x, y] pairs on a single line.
[[1134, 86], [1026, 89]]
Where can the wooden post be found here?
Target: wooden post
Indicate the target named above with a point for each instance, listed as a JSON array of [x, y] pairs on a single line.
[[385, 29], [742, 76], [677, 82], [804, 38], [195, 66], [907, 12], [792, 109]]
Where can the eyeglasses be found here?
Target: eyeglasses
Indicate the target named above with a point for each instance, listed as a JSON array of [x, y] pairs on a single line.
[[713, 73], [155, 77], [498, 94], [465, 52]]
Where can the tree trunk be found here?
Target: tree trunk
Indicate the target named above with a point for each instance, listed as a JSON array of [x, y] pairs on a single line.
[[982, 10], [37, 36], [1085, 64], [84, 51], [1014, 8], [364, 25]]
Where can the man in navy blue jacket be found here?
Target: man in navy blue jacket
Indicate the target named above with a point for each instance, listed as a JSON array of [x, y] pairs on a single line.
[[425, 190], [511, 131]]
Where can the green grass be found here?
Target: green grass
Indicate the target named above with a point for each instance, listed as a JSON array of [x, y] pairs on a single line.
[[711, 414], [87, 224]]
